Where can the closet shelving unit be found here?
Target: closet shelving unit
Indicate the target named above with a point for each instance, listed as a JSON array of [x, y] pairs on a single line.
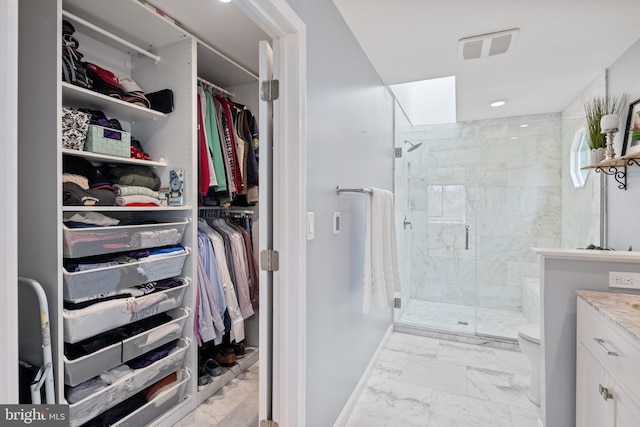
[[128, 38], [216, 70]]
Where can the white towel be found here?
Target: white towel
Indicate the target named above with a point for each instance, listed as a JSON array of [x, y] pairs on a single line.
[[381, 277]]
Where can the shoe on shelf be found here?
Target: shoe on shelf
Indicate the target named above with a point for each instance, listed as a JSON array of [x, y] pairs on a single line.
[[212, 368], [238, 350], [224, 357], [203, 378]]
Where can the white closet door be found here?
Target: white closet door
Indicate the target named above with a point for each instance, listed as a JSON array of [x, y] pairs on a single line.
[[266, 237]]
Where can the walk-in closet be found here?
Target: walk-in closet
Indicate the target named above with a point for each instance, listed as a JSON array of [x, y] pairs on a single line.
[[144, 205]]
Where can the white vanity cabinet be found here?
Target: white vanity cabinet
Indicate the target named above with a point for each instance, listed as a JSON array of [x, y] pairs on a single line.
[[607, 361]]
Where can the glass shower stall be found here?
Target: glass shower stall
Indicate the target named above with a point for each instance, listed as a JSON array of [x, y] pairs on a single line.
[[472, 200]]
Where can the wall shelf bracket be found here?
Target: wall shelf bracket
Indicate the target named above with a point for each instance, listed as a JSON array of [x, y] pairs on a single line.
[[620, 174]]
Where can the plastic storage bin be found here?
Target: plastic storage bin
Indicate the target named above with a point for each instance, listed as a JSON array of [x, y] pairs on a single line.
[[108, 141], [95, 404], [160, 404], [104, 316], [83, 242], [84, 284], [79, 370]]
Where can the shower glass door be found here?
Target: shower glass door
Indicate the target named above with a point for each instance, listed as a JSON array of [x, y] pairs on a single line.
[[472, 201], [436, 197]]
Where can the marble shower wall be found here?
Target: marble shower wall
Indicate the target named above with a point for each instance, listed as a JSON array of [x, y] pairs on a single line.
[[502, 180]]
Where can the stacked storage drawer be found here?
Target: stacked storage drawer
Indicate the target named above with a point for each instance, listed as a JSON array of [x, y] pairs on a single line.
[[88, 325]]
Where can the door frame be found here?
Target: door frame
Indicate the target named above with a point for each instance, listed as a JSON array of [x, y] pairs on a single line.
[[9, 210], [288, 32]]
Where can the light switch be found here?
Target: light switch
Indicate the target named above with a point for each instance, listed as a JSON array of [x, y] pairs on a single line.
[[311, 225], [336, 223]]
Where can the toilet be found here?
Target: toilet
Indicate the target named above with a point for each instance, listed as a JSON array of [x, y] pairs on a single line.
[[529, 340]]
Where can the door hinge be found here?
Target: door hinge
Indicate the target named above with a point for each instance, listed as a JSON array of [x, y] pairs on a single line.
[[397, 303], [270, 90], [269, 260], [268, 423]]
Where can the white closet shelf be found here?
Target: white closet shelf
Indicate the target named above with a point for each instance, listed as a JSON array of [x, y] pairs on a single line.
[[133, 21], [228, 374], [75, 96], [125, 208], [105, 158]]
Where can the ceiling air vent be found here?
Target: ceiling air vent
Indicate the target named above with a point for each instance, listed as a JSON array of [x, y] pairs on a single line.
[[486, 45]]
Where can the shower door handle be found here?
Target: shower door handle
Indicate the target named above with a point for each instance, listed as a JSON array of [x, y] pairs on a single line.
[[466, 237]]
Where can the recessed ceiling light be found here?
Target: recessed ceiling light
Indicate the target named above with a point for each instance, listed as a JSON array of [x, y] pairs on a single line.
[[514, 137], [524, 125], [498, 103], [224, 1]]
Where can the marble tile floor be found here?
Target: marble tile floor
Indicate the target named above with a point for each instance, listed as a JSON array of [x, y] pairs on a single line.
[[235, 405], [417, 381], [426, 382], [443, 316]]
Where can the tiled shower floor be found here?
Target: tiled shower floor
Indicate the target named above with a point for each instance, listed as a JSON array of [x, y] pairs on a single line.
[[460, 318]]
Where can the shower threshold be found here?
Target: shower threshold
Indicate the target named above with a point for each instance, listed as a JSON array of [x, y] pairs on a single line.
[[467, 338], [460, 322]]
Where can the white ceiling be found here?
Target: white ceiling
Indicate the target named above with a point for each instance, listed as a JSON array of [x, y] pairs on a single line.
[[220, 25], [563, 45]]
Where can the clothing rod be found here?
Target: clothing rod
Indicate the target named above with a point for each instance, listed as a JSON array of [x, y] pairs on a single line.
[[216, 87], [223, 209], [353, 190], [110, 35]]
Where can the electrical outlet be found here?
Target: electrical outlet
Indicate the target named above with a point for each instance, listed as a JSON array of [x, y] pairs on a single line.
[[625, 280]]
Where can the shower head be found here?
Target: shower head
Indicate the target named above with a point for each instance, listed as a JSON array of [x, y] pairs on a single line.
[[413, 146]]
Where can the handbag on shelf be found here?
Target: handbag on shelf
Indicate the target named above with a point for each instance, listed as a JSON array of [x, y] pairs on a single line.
[[161, 100]]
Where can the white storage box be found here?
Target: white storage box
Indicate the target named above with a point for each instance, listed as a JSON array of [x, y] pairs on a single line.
[[95, 404], [83, 242], [79, 370], [84, 284], [160, 404], [87, 322]]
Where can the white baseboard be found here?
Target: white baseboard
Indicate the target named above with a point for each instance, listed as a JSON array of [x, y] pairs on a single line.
[[357, 391]]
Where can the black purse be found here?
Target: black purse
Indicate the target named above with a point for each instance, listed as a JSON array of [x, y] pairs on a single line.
[[161, 100]]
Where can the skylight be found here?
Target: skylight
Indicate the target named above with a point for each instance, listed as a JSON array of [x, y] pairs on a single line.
[[428, 102]]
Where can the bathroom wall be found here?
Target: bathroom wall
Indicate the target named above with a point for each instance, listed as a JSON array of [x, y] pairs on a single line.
[[501, 179], [623, 206], [349, 143], [580, 206]]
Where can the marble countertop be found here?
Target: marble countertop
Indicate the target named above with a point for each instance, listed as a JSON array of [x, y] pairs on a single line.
[[622, 309], [588, 255]]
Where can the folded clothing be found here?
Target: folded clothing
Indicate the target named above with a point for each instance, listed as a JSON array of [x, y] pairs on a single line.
[[113, 375], [74, 195], [135, 190], [136, 199], [152, 356], [98, 342], [132, 92], [87, 388], [94, 219], [138, 175], [82, 181], [118, 412], [157, 388]]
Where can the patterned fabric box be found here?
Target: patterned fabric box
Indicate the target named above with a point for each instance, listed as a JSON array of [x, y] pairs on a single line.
[[74, 128], [108, 141]]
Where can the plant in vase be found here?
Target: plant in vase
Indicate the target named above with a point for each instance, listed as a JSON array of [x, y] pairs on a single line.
[[594, 109]]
